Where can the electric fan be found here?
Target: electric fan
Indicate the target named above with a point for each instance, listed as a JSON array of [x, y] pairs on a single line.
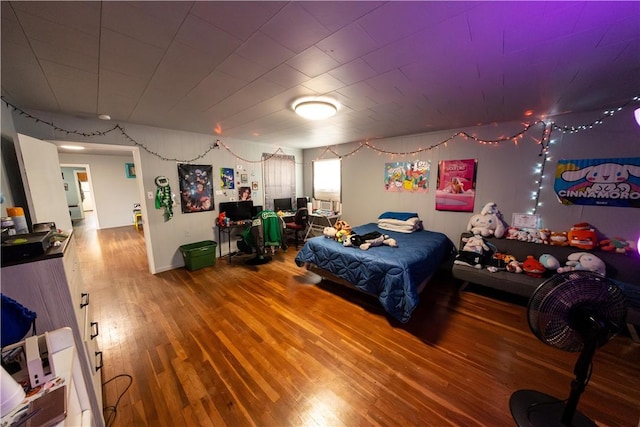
[[573, 311]]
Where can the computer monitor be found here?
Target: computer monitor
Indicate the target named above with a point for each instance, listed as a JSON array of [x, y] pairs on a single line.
[[301, 202], [282, 205], [237, 211]]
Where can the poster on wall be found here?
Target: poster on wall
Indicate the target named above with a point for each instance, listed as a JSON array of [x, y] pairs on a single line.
[[227, 181], [456, 190], [599, 182], [407, 176], [244, 193], [196, 188]]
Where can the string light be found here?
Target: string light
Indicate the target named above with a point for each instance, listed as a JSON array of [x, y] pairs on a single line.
[[544, 142]]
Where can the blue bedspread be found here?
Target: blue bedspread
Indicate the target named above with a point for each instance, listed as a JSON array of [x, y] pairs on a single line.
[[391, 274]]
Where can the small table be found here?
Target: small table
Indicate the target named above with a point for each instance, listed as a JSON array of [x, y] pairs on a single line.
[[228, 229], [319, 220]]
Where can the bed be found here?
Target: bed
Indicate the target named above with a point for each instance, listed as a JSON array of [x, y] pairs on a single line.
[[395, 275]]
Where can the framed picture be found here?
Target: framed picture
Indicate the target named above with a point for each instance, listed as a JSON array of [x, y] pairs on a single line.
[[456, 189], [244, 193], [254, 185], [130, 170], [227, 180], [244, 178], [196, 188]]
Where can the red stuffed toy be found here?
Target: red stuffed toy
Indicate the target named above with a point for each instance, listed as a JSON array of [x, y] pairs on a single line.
[[533, 267], [583, 236]]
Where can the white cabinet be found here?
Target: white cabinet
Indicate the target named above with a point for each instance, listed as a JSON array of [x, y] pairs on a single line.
[[67, 367], [52, 286]]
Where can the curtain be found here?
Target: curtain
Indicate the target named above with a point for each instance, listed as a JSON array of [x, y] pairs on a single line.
[[279, 172]]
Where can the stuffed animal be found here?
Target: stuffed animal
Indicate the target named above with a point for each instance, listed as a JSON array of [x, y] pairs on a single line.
[[617, 245], [365, 241], [584, 261], [532, 267], [501, 261], [222, 219], [488, 222], [545, 235], [559, 238], [512, 233], [583, 236], [473, 253], [344, 233], [549, 262], [514, 266], [329, 232]]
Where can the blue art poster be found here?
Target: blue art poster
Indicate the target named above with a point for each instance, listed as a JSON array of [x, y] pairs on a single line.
[[600, 182], [407, 176], [227, 181]]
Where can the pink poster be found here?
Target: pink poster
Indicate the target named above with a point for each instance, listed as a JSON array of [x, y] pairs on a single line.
[[456, 185]]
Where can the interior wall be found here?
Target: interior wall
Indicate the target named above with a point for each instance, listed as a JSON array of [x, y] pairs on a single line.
[[164, 150], [506, 174], [114, 193]]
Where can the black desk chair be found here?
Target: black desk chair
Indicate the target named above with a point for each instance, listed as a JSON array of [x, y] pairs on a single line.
[[299, 224]]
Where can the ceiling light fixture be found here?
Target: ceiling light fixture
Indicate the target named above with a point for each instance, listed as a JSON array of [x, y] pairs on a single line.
[[72, 147], [315, 108], [637, 114], [104, 117]]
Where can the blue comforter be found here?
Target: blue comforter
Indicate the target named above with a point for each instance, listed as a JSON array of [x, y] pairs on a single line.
[[391, 274]]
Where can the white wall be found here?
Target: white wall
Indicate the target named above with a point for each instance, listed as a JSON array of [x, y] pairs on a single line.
[[159, 152], [505, 175], [115, 194]]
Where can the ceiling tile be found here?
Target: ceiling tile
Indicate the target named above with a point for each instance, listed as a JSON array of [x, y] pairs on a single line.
[[264, 51], [348, 43], [294, 28], [312, 62], [153, 23], [241, 19], [128, 56]]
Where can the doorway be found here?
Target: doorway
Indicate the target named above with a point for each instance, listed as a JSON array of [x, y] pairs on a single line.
[[81, 179]]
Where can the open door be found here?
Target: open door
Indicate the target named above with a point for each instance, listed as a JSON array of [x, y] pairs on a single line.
[[43, 185]]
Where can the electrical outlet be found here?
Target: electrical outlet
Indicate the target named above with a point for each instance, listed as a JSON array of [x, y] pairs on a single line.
[[149, 195]]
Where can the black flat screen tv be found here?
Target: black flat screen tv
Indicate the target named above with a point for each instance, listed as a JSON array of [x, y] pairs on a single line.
[[237, 211]]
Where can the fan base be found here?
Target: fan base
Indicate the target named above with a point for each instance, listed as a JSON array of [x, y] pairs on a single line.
[[533, 408]]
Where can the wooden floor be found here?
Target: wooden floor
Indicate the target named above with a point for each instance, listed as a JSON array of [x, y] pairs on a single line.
[[269, 346]]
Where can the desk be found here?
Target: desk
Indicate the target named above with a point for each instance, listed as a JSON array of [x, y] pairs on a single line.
[[228, 229], [318, 221]]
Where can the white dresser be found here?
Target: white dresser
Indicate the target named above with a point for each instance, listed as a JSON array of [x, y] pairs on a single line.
[[51, 285], [64, 356]]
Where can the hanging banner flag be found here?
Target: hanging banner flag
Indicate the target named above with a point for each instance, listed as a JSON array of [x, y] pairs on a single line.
[[407, 176], [599, 182], [456, 185]]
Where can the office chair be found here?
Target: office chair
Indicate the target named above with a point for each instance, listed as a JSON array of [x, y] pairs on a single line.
[[299, 223], [267, 230]]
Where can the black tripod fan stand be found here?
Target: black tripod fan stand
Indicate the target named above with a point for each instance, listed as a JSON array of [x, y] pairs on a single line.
[[573, 311]]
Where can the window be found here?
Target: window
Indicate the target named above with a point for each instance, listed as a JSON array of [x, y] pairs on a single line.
[[279, 178], [327, 179]]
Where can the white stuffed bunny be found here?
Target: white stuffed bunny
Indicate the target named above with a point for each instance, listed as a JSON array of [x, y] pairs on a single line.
[[584, 261]]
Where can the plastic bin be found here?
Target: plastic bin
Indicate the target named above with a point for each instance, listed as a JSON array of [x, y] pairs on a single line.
[[199, 255]]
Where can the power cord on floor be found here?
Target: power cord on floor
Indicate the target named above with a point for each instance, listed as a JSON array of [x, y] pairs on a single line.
[[110, 419]]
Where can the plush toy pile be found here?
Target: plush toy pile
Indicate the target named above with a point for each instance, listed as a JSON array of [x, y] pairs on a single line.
[[342, 233]]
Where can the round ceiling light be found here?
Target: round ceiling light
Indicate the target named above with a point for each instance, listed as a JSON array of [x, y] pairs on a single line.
[[315, 109]]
